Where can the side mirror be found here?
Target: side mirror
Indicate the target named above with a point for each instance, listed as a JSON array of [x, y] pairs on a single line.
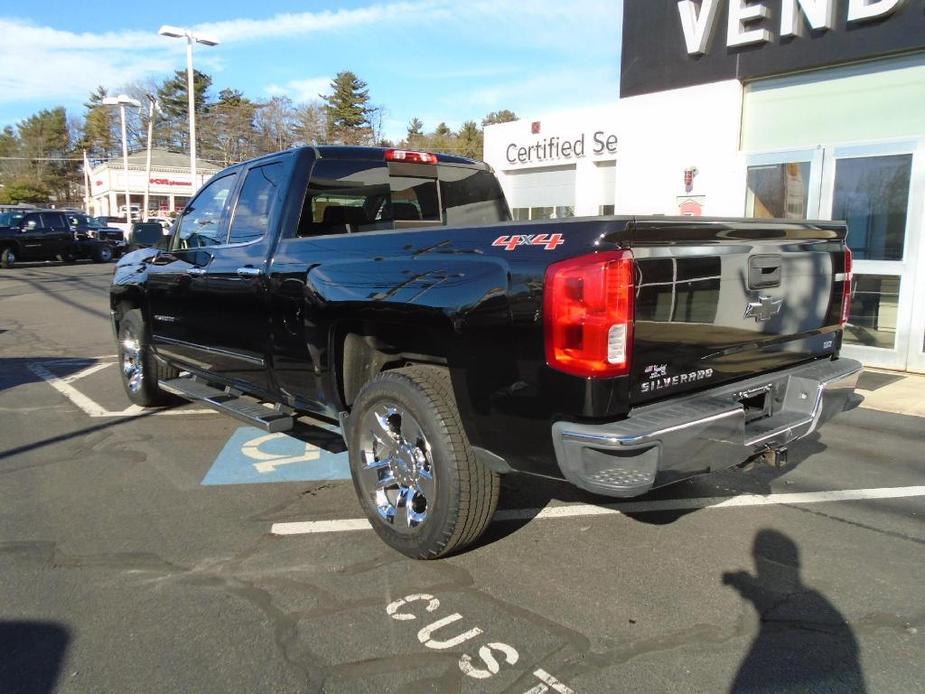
[[163, 243]]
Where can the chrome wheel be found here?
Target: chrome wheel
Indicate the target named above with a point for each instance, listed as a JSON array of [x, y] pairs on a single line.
[[132, 364], [396, 471]]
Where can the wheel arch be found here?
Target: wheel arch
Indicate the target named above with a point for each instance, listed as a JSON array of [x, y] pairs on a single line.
[[364, 349]]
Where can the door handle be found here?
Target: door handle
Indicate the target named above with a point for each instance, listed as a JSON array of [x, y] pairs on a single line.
[[249, 271], [196, 271]]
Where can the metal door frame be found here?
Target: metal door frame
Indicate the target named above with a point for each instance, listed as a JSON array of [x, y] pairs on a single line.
[[901, 356]]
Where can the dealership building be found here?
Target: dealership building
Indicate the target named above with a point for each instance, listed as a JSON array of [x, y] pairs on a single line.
[[759, 108], [171, 185]]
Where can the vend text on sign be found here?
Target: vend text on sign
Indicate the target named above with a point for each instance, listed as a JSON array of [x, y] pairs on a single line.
[[552, 148], [746, 19], [683, 43]]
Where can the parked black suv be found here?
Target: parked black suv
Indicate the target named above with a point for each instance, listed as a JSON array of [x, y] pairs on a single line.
[[45, 235]]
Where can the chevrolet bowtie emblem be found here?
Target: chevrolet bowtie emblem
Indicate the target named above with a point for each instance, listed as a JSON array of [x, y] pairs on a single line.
[[764, 309]]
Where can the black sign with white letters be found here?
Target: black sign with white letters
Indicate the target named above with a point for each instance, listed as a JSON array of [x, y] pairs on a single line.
[[669, 44]]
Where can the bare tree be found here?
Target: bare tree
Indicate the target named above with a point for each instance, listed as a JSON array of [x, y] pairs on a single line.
[[310, 123], [275, 121]]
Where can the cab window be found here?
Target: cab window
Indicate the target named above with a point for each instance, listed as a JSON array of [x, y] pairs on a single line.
[[256, 203], [202, 223], [54, 221]]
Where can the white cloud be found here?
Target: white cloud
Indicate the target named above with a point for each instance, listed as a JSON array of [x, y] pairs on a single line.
[[301, 23], [46, 63], [301, 91]]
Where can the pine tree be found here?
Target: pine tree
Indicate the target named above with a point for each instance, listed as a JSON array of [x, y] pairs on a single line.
[[171, 130], [348, 110], [46, 140], [228, 133], [98, 132], [470, 140], [415, 130]]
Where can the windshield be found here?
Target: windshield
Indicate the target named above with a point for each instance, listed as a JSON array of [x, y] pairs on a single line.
[[10, 219]]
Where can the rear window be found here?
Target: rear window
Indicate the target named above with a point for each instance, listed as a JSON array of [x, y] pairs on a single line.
[[345, 197], [349, 196], [471, 196]]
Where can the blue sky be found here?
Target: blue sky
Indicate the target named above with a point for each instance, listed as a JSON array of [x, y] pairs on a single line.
[[433, 59]]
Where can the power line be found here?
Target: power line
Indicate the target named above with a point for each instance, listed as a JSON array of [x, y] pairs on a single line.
[[42, 158]]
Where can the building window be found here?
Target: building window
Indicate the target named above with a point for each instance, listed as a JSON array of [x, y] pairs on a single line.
[[605, 210], [778, 191], [872, 195], [521, 214], [874, 308]]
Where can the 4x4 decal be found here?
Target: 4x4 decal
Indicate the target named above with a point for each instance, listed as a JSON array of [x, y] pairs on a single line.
[[549, 241]]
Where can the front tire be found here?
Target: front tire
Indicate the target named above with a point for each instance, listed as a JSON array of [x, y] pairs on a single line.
[[102, 253], [8, 258], [418, 480], [139, 369]]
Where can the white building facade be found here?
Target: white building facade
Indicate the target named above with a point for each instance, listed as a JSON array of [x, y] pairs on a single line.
[[815, 124], [171, 184]]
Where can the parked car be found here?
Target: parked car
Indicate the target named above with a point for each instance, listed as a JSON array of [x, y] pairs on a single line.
[[163, 221], [86, 227], [389, 292], [45, 235]]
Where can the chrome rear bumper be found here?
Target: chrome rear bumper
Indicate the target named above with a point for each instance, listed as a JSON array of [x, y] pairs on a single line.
[[665, 442]]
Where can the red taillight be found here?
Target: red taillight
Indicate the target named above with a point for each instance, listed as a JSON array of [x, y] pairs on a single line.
[[846, 291], [588, 314], [409, 157]]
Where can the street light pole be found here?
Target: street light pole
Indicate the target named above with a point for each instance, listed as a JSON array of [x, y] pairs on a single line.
[[122, 101], [152, 105], [179, 32], [128, 198], [191, 93]]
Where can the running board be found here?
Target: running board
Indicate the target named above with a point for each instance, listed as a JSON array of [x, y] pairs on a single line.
[[239, 406]]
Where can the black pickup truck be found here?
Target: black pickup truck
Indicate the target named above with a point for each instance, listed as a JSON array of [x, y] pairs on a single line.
[[36, 234], [389, 293]]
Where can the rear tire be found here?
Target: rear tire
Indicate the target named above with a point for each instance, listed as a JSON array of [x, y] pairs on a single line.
[[8, 258], [418, 480], [139, 369]]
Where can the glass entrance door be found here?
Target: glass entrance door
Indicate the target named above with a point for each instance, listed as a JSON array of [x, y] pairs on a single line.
[[873, 188]]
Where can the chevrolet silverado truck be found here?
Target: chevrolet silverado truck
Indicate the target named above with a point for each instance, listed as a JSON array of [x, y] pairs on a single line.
[[389, 294]]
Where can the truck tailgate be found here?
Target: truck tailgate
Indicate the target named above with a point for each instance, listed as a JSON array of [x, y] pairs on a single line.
[[718, 301]]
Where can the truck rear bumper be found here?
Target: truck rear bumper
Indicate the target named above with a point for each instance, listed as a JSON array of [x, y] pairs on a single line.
[[666, 442]]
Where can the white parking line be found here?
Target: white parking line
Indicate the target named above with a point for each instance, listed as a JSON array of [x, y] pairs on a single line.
[[89, 406], [580, 510]]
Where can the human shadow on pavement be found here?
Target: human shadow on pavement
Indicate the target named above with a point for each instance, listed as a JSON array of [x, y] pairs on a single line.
[[804, 643], [33, 654]]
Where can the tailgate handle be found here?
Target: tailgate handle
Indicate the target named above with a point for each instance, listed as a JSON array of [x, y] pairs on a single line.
[[764, 271]]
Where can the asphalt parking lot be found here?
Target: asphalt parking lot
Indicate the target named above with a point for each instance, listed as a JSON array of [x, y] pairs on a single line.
[[179, 551]]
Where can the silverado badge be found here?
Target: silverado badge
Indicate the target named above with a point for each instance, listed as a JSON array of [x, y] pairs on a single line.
[[764, 309]]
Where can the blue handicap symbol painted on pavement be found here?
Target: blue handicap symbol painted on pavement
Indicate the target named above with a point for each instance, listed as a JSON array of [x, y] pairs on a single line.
[[253, 456]]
